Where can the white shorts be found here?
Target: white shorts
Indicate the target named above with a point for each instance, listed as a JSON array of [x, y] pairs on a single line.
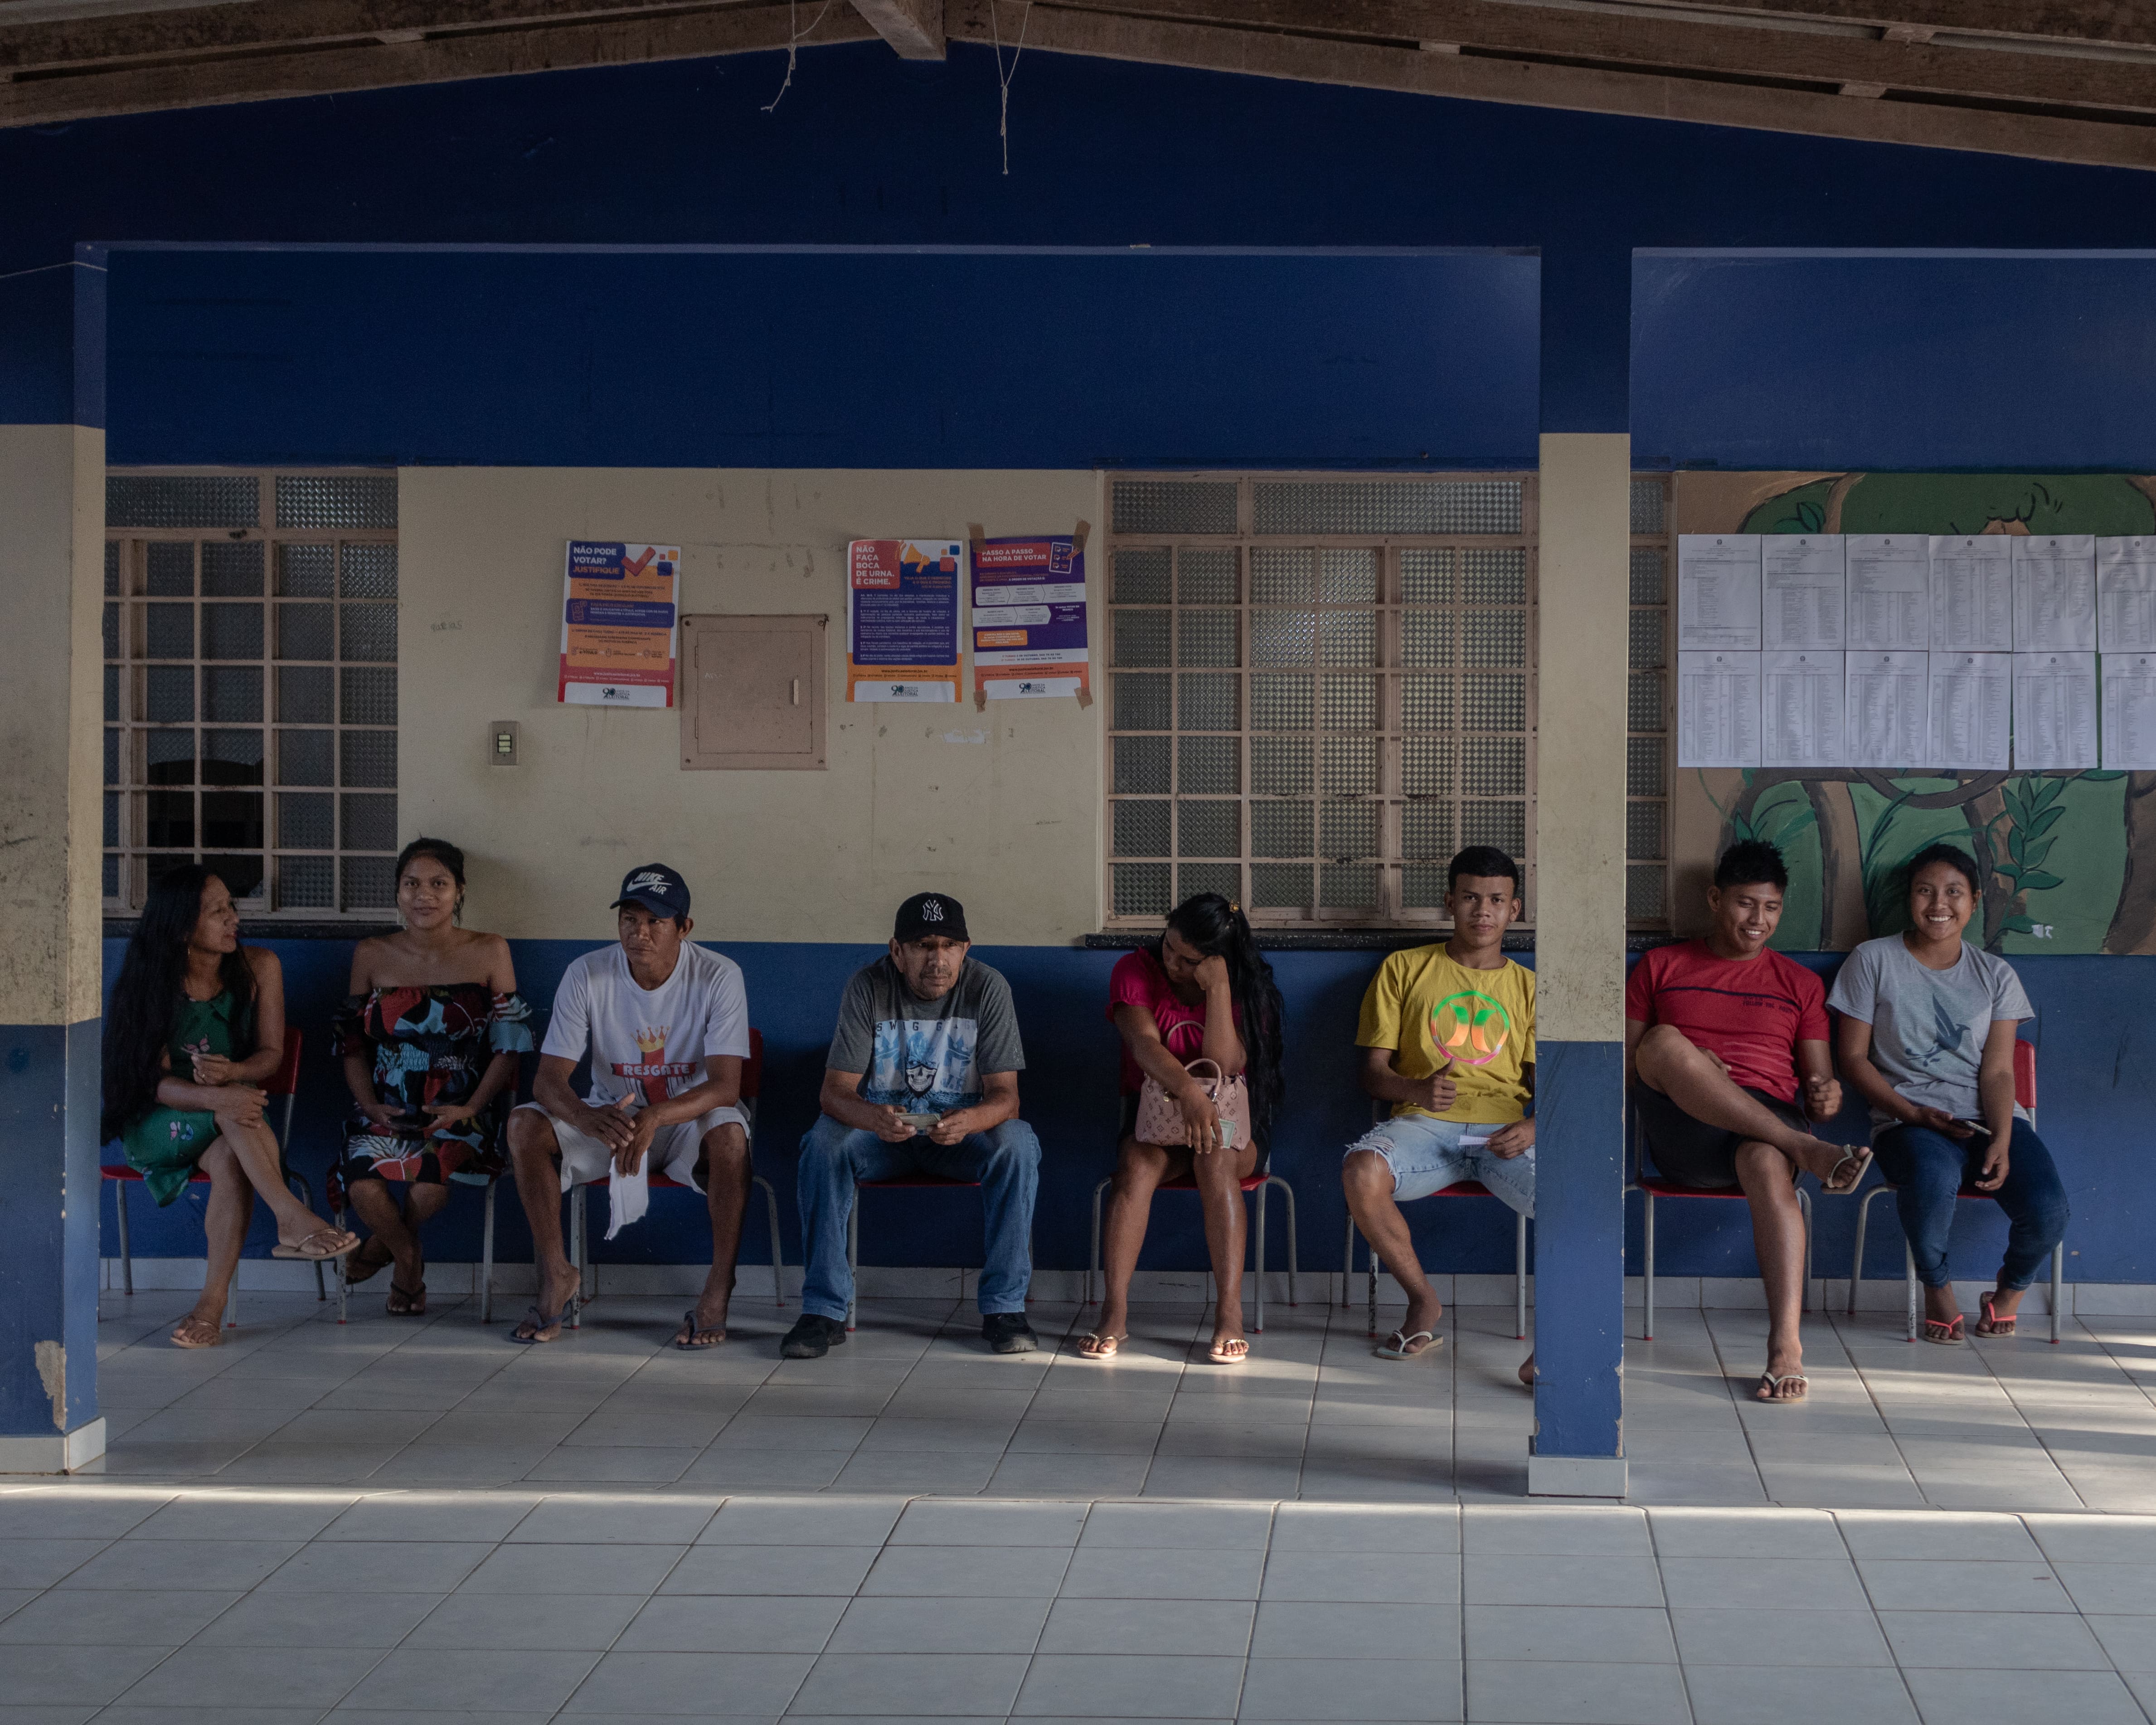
[[674, 1153]]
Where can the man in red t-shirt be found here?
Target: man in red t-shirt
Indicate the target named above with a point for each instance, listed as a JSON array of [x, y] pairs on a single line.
[[1720, 1035]]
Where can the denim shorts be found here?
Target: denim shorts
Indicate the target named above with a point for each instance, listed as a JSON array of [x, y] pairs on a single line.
[[1426, 1155]]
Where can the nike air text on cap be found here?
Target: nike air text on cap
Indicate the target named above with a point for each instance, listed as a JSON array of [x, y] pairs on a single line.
[[657, 888]]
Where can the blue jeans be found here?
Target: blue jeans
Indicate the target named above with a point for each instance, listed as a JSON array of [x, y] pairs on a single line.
[[1930, 1168], [1006, 1160], [1425, 1156]]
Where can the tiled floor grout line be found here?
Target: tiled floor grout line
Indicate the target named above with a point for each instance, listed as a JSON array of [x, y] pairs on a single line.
[[1900, 1670]]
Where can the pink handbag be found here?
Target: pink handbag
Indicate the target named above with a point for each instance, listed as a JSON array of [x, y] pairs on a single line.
[[1160, 1117]]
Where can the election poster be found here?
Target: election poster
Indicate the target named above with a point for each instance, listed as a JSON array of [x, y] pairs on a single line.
[[1030, 618], [618, 623], [902, 619]]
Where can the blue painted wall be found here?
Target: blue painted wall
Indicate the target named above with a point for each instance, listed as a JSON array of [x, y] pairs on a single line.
[[2097, 1070], [885, 359], [867, 149]]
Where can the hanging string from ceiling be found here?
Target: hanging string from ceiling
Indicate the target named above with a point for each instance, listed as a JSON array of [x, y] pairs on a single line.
[[795, 36], [1003, 78]]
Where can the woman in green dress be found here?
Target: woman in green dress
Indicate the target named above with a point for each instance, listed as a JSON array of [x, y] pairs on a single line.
[[195, 1024]]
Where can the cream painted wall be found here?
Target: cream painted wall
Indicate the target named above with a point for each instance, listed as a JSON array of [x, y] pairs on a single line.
[[51, 550], [1001, 809]]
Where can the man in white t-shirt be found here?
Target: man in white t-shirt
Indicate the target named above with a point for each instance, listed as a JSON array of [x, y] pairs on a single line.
[[666, 1026]]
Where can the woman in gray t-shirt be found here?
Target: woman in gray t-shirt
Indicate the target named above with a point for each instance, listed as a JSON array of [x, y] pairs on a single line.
[[1927, 1036]]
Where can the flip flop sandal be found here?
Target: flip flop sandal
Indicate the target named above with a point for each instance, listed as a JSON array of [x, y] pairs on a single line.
[[717, 1331], [414, 1300], [1834, 1185], [1102, 1348], [540, 1320], [362, 1265], [1401, 1345], [1991, 1324], [1947, 1335], [1218, 1353], [312, 1250], [1772, 1385], [198, 1326]]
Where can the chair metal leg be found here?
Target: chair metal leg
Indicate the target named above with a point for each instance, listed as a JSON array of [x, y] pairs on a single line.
[[1372, 1246], [1909, 1263], [778, 1259], [1856, 1262], [232, 1300], [2058, 1286], [1647, 1281], [1288, 1193], [853, 1258], [1519, 1277], [1347, 1266], [578, 1252], [306, 1194], [486, 1257], [126, 1256], [1258, 1281]]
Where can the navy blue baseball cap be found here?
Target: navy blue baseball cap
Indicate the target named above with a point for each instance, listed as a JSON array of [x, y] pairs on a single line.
[[657, 888]]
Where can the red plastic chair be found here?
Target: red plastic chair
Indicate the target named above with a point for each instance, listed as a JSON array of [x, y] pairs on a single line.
[[283, 1082], [2025, 1093], [1654, 1186], [579, 1228], [1258, 1183]]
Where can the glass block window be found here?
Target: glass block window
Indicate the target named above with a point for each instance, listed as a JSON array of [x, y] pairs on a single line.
[[250, 686], [1319, 689], [1647, 749]]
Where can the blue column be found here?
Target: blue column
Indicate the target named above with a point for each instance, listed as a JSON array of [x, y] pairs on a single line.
[[1584, 539], [51, 516]]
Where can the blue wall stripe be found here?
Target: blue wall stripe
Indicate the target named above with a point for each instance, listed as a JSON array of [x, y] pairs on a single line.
[[52, 346], [49, 1272]]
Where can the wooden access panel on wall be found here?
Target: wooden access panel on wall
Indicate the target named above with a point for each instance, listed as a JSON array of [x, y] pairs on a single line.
[[752, 693]]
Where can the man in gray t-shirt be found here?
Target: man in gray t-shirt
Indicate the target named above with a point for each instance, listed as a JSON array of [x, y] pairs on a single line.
[[922, 1080]]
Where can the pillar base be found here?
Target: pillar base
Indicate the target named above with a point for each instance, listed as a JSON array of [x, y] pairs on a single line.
[[1576, 1476], [61, 1452]]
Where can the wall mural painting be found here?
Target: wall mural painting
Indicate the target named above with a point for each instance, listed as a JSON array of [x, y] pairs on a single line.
[[2069, 858]]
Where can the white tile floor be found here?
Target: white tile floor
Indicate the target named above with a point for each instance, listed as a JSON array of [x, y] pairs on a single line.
[[408, 1522], [914, 1404]]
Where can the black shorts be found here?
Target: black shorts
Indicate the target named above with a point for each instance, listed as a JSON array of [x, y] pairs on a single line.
[[1691, 1153]]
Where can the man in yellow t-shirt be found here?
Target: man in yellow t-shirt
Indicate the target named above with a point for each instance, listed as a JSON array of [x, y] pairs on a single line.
[[1448, 1038]]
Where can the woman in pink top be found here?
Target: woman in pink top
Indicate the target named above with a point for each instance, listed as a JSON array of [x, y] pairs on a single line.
[[1205, 990]]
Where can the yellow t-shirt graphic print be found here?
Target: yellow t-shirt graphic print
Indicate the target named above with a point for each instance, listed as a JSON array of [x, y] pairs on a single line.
[[1433, 1010]]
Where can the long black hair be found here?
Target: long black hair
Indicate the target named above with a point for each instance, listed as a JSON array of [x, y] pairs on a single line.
[[147, 998], [1217, 927]]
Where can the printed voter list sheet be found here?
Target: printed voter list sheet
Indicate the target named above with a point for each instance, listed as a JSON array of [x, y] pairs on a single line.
[[1801, 718], [2126, 595], [1801, 580], [2129, 712], [1718, 709], [1972, 711], [1888, 708], [1973, 593], [1890, 591], [2055, 593], [2054, 710], [1718, 592]]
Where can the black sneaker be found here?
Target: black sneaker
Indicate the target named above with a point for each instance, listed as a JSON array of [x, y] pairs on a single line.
[[812, 1338], [1009, 1332]]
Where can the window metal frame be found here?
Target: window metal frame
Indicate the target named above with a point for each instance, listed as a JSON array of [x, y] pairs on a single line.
[[1389, 911], [133, 665]]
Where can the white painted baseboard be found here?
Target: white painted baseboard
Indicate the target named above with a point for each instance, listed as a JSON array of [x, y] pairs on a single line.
[[62, 1452], [1672, 1293]]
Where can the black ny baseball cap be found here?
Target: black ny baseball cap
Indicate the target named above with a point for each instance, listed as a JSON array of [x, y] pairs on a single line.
[[927, 913], [657, 888]]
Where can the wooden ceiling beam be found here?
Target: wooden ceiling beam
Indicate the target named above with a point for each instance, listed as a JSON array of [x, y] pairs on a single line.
[[1665, 44], [2125, 23], [1063, 29], [268, 76], [913, 27]]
